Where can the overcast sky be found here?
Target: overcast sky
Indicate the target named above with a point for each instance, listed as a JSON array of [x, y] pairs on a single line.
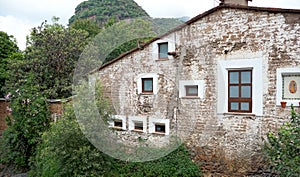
[[17, 17]]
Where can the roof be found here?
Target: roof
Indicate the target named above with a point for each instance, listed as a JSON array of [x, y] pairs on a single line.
[[200, 16]]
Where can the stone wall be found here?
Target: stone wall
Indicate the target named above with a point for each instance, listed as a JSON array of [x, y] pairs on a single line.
[[221, 142]]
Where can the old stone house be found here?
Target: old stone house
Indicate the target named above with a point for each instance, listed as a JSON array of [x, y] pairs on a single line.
[[218, 80]]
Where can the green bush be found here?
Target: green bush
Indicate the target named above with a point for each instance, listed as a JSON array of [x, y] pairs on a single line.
[[283, 148], [30, 118], [66, 152]]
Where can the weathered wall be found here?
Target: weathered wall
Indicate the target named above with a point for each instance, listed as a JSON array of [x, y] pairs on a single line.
[[221, 142]]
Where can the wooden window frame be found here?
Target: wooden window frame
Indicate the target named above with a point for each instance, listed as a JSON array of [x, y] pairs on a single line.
[[147, 91], [240, 99], [159, 53], [187, 87]]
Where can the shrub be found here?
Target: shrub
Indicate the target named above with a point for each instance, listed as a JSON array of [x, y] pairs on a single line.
[[66, 152], [283, 148], [30, 118]]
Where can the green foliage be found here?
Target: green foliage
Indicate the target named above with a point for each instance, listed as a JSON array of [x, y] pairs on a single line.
[[51, 54], [87, 25], [283, 148], [177, 163], [104, 10], [166, 24], [30, 118], [9, 51], [65, 151]]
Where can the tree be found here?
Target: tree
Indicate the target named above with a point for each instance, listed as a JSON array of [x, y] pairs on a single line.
[[8, 51], [87, 25], [51, 55]]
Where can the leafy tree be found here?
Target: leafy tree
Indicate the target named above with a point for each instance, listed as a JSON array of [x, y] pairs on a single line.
[[51, 54], [283, 148], [8, 51], [88, 25], [29, 119]]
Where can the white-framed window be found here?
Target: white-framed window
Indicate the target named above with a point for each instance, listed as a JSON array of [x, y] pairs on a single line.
[[118, 122], [163, 50], [191, 88], [147, 83], [160, 48], [159, 126], [137, 123], [287, 86], [252, 105]]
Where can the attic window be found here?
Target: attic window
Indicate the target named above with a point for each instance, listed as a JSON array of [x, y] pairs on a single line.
[[163, 50]]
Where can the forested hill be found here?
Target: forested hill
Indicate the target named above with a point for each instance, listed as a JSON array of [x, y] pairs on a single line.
[[104, 10]]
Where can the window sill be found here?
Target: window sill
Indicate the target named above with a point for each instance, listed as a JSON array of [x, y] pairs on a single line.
[[238, 114], [190, 97], [159, 133], [147, 93], [162, 59], [117, 128], [138, 131]]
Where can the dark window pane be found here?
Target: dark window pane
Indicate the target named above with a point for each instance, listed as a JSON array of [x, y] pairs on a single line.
[[233, 77], [138, 125], [118, 123], [234, 92], [163, 50], [246, 77], [234, 106], [246, 91], [160, 128], [245, 106]]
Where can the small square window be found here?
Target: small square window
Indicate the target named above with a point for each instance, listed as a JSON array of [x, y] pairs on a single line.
[[160, 128], [163, 50], [191, 90], [147, 85], [138, 126], [118, 123]]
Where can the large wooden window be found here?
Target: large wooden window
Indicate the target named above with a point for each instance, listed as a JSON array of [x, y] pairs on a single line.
[[240, 91], [147, 85], [163, 50]]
